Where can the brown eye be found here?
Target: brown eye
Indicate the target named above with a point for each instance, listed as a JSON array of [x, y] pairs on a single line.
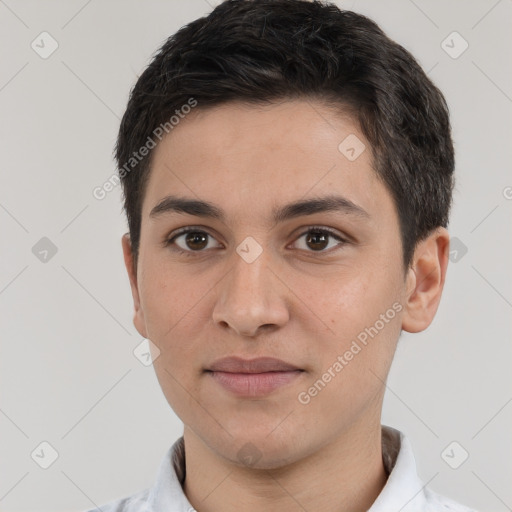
[[196, 240], [317, 240], [320, 240], [192, 240]]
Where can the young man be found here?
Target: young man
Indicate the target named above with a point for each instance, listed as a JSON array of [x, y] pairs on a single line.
[[287, 172]]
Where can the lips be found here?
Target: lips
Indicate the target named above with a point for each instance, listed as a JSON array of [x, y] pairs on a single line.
[[259, 365], [252, 377]]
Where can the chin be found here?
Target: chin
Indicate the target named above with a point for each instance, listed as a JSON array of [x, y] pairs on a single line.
[[257, 449]]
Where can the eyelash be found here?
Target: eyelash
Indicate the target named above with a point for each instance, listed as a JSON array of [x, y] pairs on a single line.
[[192, 229]]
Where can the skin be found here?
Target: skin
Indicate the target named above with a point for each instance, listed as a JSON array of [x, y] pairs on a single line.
[[293, 302]]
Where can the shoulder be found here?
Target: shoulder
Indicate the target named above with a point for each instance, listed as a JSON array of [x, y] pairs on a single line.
[[439, 503], [166, 493], [135, 503]]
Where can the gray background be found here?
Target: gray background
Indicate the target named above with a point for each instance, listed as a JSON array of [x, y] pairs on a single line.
[[67, 369]]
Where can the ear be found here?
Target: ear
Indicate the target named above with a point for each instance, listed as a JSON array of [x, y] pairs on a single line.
[[138, 316], [425, 281]]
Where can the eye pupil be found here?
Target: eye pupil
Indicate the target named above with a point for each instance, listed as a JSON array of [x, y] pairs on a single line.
[[314, 237], [195, 237], [317, 240]]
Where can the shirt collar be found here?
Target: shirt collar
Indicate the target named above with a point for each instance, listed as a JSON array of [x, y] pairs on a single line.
[[403, 491]]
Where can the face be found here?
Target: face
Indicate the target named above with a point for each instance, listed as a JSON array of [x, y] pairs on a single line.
[[321, 287]]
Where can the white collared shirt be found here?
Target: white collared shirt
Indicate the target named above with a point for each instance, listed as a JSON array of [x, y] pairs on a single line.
[[403, 491]]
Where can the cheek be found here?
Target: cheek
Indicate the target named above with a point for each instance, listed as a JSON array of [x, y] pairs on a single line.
[[346, 304], [177, 310], [168, 299], [362, 314], [175, 317], [351, 366]]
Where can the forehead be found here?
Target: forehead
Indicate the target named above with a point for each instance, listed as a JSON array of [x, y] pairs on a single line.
[[251, 158]]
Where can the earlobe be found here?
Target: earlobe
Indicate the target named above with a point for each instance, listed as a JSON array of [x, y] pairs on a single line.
[[425, 281], [138, 317]]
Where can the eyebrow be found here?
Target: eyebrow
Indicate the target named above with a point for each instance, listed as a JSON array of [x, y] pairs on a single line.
[[198, 208]]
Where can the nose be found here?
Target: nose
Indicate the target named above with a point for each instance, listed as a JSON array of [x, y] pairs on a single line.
[[251, 298]]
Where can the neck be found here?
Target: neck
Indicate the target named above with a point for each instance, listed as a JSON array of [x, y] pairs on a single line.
[[347, 474]]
